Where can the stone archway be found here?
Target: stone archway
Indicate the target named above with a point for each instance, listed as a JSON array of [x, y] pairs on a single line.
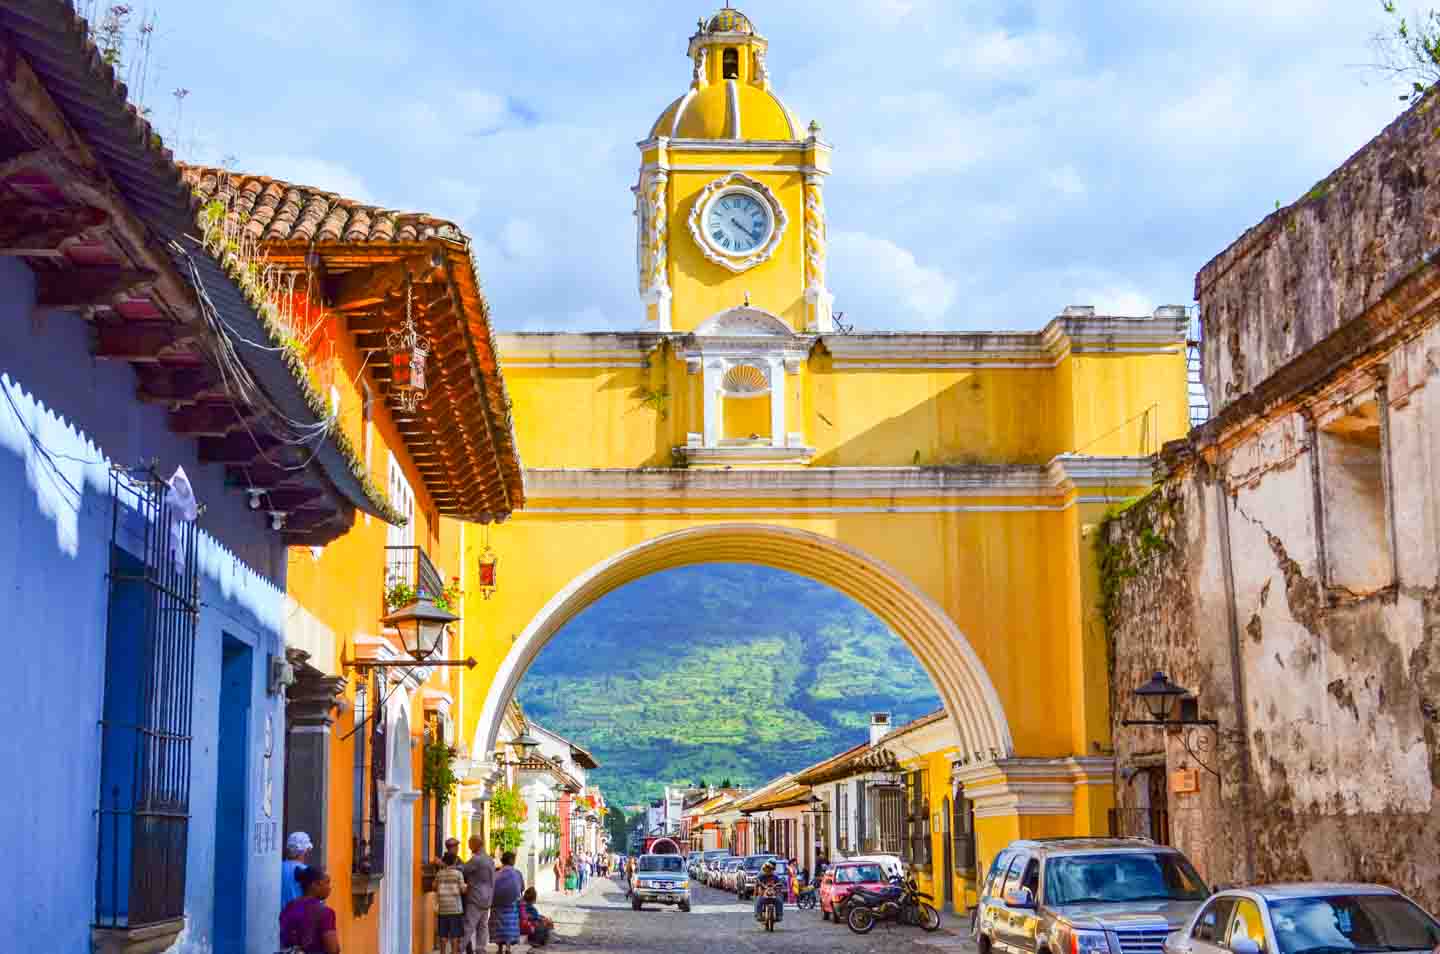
[[939, 645]]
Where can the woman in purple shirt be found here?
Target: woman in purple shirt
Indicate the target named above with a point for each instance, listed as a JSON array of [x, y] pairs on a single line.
[[307, 925]]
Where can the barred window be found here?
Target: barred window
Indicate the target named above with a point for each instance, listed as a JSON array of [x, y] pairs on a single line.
[[962, 833], [842, 817], [917, 821]]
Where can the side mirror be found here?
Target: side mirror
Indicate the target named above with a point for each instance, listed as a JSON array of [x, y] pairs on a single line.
[[1023, 898], [1244, 945]]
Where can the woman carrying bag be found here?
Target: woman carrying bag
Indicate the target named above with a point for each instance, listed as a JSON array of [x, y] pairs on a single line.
[[307, 925]]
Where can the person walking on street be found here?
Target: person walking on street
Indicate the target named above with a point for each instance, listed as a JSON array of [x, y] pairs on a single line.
[[307, 924], [559, 874], [297, 855], [450, 900], [509, 888], [479, 874], [569, 877]]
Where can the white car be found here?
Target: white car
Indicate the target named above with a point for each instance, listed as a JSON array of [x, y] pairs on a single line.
[[1314, 918], [892, 866]]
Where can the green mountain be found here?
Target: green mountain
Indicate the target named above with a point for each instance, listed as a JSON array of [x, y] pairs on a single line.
[[720, 671]]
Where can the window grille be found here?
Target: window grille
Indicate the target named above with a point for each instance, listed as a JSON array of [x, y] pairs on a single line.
[[143, 813], [367, 826], [962, 833], [887, 820], [917, 821], [842, 817]]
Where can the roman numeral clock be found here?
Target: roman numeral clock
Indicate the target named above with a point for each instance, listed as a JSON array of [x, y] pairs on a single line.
[[737, 222]]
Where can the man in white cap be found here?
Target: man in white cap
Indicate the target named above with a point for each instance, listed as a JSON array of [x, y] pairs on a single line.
[[297, 857]]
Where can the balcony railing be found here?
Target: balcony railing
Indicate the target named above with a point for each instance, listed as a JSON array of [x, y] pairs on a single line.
[[412, 567]]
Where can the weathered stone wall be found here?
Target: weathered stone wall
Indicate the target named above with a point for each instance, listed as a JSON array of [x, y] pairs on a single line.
[[1305, 270], [1330, 768]]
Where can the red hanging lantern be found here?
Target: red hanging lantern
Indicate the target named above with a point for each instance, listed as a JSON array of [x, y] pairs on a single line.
[[408, 350], [488, 561]]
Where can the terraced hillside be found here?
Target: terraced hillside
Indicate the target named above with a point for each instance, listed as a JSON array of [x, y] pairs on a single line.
[[720, 672]]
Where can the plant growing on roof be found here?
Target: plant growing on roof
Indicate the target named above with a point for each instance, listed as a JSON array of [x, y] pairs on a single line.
[[1410, 52]]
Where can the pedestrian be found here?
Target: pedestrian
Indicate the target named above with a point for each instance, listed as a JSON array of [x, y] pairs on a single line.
[[509, 889], [570, 877], [533, 924], [450, 900], [307, 924], [479, 874], [559, 874], [297, 855]]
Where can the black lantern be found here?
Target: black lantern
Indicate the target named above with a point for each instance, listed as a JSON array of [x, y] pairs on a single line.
[[817, 806], [421, 626], [526, 743], [1159, 695]]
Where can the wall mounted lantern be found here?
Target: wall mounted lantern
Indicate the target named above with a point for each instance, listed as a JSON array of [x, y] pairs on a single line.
[[1173, 707], [421, 626]]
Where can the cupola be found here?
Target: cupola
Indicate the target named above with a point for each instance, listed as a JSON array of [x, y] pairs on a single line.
[[730, 95]]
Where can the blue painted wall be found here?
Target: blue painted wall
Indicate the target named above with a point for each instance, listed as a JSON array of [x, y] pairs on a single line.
[[55, 535]]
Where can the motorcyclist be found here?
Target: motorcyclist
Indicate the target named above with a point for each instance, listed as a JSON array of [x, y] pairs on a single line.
[[767, 879]]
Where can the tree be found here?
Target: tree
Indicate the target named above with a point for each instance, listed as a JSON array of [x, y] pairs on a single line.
[[727, 784], [1410, 51]]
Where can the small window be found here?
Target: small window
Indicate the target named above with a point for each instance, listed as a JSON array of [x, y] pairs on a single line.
[[1211, 922], [1353, 500], [731, 64]]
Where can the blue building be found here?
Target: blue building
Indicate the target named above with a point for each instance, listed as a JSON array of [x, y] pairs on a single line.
[[147, 404]]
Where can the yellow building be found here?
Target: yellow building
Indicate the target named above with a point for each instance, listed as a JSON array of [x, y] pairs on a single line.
[[351, 287], [948, 482]]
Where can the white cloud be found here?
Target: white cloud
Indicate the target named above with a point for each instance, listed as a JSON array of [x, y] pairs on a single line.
[[1066, 181], [1007, 55], [887, 282], [1113, 296]]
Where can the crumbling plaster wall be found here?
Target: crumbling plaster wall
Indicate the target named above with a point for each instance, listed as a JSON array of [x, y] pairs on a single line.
[[1333, 772], [1306, 269]]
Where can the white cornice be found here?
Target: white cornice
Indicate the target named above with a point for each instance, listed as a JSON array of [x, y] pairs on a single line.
[[1162, 333], [1030, 786], [1062, 475], [748, 455], [724, 145]]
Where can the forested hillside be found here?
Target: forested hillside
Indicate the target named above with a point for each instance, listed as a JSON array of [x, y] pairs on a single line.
[[721, 671]]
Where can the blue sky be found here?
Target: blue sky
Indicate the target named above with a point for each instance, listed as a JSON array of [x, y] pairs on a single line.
[[994, 161]]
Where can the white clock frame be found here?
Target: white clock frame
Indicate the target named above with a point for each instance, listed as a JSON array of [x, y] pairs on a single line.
[[737, 182]]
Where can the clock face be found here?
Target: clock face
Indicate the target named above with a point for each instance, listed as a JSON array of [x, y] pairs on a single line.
[[737, 223]]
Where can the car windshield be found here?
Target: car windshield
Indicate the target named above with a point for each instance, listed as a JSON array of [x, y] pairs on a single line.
[[755, 864], [1132, 876], [855, 874], [1352, 923], [662, 863], [716, 855]]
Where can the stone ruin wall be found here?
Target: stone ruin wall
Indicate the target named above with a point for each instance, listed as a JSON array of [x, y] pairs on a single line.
[[1306, 269], [1341, 732]]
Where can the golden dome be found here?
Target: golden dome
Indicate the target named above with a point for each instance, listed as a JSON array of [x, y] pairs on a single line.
[[715, 111], [729, 21]]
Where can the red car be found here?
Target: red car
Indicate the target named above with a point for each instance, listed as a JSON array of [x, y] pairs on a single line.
[[844, 878]]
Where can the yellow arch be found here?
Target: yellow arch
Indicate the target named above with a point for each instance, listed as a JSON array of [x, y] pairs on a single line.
[[963, 684]]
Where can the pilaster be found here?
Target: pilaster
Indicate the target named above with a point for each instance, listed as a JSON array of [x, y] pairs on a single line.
[[309, 715]]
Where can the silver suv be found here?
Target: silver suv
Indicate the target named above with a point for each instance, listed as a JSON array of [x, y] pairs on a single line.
[[1085, 896]]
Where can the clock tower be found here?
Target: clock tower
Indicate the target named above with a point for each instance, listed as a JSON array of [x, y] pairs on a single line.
[[730, 207]]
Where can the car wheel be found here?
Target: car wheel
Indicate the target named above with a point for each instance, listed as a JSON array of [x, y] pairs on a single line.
[[824, 915], [685, 907]]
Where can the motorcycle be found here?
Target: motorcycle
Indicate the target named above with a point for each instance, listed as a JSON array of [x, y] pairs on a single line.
[[769, 907], [808, 896], [864, 908]]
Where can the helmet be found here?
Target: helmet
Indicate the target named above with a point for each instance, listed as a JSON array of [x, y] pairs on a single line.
[[768, 867]]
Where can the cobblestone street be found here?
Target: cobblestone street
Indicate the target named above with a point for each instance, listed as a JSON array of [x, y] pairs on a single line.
[[601, 920]]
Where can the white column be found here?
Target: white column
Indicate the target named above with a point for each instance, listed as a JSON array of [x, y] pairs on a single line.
[[777, 402], [714, 407], [534, 792]]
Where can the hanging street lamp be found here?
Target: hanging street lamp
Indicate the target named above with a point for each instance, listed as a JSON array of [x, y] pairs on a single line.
[[421, 626], [1160, 697]]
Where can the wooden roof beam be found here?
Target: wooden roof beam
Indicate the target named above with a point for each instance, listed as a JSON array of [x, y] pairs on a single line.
[[368, 287], [27, 229], [87, 287]]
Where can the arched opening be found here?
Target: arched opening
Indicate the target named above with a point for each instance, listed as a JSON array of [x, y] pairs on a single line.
[[730, 64], [397, 891], [664, 846], [948, 658]]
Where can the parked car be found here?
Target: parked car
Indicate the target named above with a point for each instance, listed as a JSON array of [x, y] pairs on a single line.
[[725, 875], [845, 877], [661, 879], [692, 864], [890, 864], [748, 871], [1314, 918], [710, 863], [1086, 896]]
